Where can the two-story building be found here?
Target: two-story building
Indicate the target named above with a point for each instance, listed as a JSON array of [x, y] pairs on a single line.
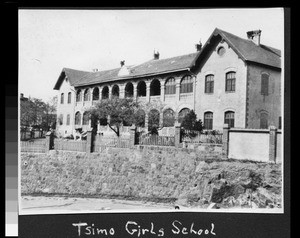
[[229, 80]]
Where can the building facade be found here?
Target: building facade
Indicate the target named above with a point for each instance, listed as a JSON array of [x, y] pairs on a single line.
[[229, 80]]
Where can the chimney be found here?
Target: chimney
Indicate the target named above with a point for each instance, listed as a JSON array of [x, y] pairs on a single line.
[[254, 36], [199, 46], [95, 70], [122, 63], [156, 54]]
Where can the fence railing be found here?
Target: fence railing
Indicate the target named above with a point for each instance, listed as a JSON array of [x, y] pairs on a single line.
[[200, 137], [101, 143], [157, 140], [34, 146], [70, 145], [26, 135]]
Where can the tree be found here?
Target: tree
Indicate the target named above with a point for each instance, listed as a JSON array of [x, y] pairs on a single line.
[[118, 111], [35, 112], [191, 123]]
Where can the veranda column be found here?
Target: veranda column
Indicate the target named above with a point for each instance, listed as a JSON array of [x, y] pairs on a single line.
[[162, 90], [146, 120], [134, 90], [110, 91], [100, 93], [148, 90], [177, 98], [122, 90]]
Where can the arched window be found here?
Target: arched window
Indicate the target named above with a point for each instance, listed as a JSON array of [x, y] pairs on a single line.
[[153, 119], [96, 94], [78, 118], [68, 119], [168, 118], [170, 86], [186, 85], [264, 120], [78, 95], [140, 118], [115, 91], [62, 98], [230, 82], [85, 119], [229, 118], [129, 90], [141, 89], [105, 93], [69, 97], [86, 95], [155, 88], [209, 83], [264, 84], [182, 114], [208, 120]]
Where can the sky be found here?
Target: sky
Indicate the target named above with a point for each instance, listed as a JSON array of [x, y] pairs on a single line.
[[50, 40]]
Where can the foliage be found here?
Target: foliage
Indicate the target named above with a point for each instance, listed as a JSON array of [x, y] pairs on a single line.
[[191, 124], [118, 111], [36, 112]]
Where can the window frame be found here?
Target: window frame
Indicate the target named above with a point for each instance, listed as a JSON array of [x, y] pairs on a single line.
[[187, 84], [231, 120], [208, 121], [68, 120], [170, 86], [69, 97], [230, 82], [264, 121], [209, 83], [62, 98]]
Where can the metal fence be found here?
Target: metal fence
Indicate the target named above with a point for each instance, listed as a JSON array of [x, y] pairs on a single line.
[[34, 146], [201, 137], [157, 140], [26, 135], [70, 145], [103, 142]]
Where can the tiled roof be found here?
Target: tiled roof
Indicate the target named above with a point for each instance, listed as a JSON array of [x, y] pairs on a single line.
[[72, 74], [249, 51], [151, 67]]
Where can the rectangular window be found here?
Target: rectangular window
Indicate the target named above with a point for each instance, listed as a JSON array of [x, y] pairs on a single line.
[[229, 119], [62, 98], [279, 123], [230, 82], [209, 84], [208, 120]]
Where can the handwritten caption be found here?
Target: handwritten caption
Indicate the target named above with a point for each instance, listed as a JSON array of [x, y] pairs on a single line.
[[135, 229]]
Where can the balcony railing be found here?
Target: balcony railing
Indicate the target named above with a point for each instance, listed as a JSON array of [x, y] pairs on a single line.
[[186, 96], [154, 98]]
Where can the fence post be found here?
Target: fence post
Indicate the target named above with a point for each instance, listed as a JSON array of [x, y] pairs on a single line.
[[89, 141], [132, 135], [49, 140], [272, 144], [177, 134], [225, 140]]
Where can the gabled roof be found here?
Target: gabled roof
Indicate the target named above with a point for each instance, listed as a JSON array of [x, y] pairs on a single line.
[[247, 50], [72, 74]]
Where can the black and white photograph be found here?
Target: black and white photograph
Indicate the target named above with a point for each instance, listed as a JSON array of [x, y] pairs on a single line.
[[151, 110]]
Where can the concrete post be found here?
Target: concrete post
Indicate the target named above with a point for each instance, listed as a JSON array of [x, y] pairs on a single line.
[[132, 135], [225, 139], [272, 144], [49, 141], [89, 142], [177, 134]]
